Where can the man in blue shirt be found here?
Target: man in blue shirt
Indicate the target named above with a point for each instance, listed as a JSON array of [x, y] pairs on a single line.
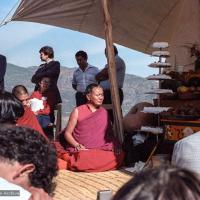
[[83, 76]]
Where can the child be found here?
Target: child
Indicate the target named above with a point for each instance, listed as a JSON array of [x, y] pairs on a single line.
[[43, 112]]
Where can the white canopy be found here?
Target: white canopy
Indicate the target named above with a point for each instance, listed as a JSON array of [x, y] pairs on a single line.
[[136, 23]]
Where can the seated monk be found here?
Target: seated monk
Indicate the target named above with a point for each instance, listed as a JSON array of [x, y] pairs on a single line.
[[90, 145], [28, 119], [12, 113]]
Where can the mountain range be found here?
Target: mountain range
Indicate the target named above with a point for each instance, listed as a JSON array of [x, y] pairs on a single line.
[[134, 86]]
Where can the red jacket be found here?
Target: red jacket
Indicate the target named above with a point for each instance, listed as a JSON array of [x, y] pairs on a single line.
[[38, 95]]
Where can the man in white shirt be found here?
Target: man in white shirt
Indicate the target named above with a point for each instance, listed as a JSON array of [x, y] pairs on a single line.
[[186, 153], [83, 76]]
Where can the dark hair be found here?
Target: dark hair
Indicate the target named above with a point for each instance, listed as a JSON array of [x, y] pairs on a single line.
[[10, 108], [90, 87], [19, 90], [27, 146], [166, 183], [115, 50], [47, 50], [82, 53]]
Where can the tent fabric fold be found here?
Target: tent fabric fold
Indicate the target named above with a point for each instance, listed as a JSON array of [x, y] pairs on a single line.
[[136, 23]]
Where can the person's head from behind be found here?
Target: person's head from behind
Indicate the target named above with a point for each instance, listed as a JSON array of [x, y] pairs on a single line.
[[81, 59], [21, 93], [46, 52], [94, 94], [164, 183], [10, 108], [115, 51], [27, 159], [44, 84]]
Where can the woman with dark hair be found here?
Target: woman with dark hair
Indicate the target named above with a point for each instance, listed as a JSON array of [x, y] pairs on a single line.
[[10, 108], [164, 183], [89, 139], [51, 69]]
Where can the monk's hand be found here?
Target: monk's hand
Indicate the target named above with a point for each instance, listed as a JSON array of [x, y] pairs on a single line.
[[38, 194], [79, 147]]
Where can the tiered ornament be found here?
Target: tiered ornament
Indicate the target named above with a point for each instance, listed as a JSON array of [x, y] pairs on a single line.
[[162, 54]]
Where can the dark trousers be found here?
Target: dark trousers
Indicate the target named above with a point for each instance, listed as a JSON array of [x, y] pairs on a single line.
[[80, 98], [44, 120], [108, 100]]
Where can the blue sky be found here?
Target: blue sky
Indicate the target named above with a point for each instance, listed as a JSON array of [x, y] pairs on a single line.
[[21, 41]]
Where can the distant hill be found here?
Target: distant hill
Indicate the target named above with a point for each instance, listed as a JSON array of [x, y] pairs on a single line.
[[134, 86]]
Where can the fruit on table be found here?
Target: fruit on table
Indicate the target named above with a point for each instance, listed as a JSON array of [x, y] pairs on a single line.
[[182, 89], [184, 110]]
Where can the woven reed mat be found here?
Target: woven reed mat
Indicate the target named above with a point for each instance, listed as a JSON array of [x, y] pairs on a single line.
[[84, 186]]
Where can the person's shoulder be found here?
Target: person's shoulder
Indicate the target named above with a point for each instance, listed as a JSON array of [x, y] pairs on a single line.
[[54, 62], [93, 67], [41, 66], [76, 70], [35, 94], [119, 59], [81, 107], [194, 138], [2, 57], [6, 185], [103, 109], [74, 112]]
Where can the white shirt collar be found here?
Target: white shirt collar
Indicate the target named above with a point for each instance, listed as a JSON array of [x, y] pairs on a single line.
[[49, 60]]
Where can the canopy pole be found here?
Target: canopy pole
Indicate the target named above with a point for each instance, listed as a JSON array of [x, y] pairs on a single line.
[[118, 127]]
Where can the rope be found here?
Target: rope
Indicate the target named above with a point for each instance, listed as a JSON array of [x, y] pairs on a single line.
[[5, 21]]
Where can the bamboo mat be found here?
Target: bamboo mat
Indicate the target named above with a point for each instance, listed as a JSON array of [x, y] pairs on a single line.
[[84, 186]]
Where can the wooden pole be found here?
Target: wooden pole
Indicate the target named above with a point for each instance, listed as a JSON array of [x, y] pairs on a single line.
[[112, 73]]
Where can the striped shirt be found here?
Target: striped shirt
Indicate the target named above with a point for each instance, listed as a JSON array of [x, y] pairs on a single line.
[[84, 78]]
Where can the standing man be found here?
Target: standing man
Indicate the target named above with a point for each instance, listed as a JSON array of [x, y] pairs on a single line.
[[103, 78], [3, 65], [49, 69], [83, 76]]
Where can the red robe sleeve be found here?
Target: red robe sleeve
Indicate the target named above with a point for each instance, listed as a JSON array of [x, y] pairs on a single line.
[[29, 120]]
